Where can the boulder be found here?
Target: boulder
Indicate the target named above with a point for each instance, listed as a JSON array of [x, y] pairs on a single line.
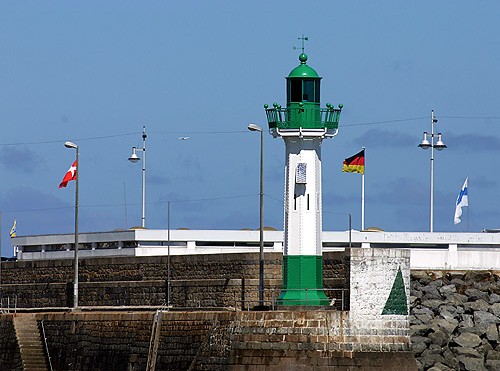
[[467, 321], [495, 288], [479, 304], [421, 276], [492, 332], [428, 359], [432, 304], [430, 292], [450, 359], [495, 309], [466, 352], [424, 318], [475, 294], [493, 354], [418, 348], [447, 290], [483, 318], [485, 347], [414, 300], [471, 364], [494, 298], [492, 365], [440, 367], [447, 326], [477, 276], [478, 330], [422, 310], [420, 330], [483, 286], [439, 338], [468, 340], [456, 299], [414, 320]]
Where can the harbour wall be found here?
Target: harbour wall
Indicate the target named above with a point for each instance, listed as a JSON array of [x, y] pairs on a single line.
[[372, 334], [216, 280], [241, 340]]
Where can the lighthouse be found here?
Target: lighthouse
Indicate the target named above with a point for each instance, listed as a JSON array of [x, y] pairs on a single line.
[[303, 125]]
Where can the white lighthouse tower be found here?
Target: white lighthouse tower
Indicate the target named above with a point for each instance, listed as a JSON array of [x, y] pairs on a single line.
[[303, 125]]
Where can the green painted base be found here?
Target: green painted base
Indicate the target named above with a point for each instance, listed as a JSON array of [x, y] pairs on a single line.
[[302, 281], [303, 297]]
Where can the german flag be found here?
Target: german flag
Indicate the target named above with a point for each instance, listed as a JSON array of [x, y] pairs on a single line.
[[355, 164]]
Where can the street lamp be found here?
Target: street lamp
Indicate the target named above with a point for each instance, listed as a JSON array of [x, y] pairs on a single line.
[[75, 260], [439, 146], [134, 158], [254, 127]]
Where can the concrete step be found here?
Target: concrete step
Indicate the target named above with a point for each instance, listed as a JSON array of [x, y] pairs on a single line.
[[30, 343]]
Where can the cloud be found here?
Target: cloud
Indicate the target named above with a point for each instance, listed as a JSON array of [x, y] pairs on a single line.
[[158, 179], [401, 191], [19, 159], [35, 212], [472, 142], [374, 138], [483, 182]]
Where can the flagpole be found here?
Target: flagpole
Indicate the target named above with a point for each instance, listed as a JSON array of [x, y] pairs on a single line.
[[468, 203], [363, 194], [1, 298]]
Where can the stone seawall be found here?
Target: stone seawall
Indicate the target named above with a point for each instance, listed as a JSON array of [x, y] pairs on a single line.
[[280, 340], [455, 318], [10, 356], [218, 280]]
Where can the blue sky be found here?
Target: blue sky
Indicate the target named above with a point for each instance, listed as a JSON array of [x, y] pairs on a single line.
[[94, 72]]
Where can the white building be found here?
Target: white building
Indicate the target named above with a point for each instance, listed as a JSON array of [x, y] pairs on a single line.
[[452, 251]]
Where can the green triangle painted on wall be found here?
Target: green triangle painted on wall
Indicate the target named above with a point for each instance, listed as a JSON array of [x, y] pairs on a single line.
[[396, 302]]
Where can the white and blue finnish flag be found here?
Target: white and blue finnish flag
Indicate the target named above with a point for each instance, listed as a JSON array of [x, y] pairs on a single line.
[[462, 201]]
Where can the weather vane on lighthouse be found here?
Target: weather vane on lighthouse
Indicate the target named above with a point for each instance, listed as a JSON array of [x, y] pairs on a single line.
[[302, 39], [303, 125]]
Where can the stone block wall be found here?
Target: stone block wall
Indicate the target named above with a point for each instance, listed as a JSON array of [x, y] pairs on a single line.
[[278, 340], [379, 296], [221, 280], [10, 356], [120, 341]]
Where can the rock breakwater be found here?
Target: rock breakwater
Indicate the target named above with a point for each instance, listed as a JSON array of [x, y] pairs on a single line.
[[454, 321]]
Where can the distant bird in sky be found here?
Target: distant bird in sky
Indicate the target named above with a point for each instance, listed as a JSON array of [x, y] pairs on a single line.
[[183, 138]]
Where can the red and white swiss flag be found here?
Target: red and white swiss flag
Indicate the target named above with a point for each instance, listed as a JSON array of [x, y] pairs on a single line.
[[70, 175]]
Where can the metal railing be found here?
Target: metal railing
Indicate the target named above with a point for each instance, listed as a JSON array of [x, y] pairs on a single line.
[[338, 299], [285, 118], [44, 337], [8, 304]]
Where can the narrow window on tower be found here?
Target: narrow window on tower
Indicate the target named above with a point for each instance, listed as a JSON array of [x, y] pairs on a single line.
[[301, 173], [308, 201]]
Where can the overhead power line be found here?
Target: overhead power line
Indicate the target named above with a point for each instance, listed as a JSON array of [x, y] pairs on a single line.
[[394, 121], [384, 122], [130, 204]]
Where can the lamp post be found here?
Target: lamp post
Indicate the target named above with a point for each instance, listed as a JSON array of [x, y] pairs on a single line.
[[254, 127], [75, 260], [439, 146], [134, 158], [169, 283]]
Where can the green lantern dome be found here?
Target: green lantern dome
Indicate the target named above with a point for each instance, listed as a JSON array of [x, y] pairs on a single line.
[[303, 70]]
